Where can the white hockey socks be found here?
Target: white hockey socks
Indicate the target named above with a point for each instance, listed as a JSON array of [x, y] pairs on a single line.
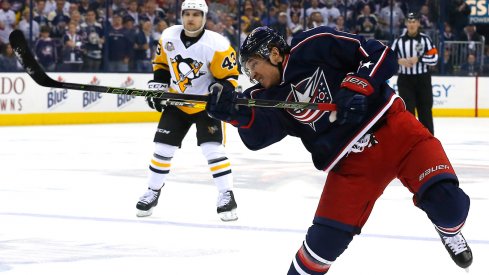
[[219, 165], [160, 165]]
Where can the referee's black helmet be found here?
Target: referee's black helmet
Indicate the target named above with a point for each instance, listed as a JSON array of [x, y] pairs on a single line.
[[413, 16]]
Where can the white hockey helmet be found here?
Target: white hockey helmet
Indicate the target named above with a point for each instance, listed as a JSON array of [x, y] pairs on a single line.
[[200, 5]]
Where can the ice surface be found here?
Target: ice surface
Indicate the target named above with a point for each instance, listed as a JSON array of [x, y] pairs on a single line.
[[68, 195]]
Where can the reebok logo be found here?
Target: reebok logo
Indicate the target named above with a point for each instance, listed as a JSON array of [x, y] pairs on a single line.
[[432, 170]]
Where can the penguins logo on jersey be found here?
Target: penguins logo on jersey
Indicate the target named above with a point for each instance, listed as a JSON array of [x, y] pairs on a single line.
[[186, 70], [314, 89]]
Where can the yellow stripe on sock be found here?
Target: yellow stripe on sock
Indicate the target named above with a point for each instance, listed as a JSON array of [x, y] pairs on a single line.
[[160, 164], [218, 167]]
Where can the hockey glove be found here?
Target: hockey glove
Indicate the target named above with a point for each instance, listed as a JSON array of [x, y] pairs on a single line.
[[222, 105], [351, 100], [155, 103]]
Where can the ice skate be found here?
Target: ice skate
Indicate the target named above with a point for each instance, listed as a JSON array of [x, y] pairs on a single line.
[[147, 202], [226, 206], [458, 249]]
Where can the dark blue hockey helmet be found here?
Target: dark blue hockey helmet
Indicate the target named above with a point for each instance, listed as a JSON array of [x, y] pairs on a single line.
[[259, 43]]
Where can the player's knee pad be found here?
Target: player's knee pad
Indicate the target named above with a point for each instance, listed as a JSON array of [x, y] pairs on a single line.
[[212, 150], [445, 204], [165, 150], [322, 246]]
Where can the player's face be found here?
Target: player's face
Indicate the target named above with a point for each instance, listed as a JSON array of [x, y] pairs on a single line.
[[263, 71], [192, 20]]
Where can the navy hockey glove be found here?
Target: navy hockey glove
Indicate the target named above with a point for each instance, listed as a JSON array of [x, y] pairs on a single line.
[[155, 103], [351, 100], [221, 105]]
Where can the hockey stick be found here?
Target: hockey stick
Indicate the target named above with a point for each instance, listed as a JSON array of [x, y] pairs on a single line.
[[37, 73]]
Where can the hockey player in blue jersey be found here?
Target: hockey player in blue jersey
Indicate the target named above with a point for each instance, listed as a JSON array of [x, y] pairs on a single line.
[[366, 143]]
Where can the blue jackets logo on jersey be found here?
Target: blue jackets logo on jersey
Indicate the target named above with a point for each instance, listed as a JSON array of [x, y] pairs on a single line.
[[314, 89]]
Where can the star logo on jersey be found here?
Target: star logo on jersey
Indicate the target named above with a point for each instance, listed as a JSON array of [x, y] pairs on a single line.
[[186, 70], [314, 89], [368, 64]]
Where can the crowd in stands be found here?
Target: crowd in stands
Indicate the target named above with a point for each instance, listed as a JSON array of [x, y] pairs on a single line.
[[75, 35]]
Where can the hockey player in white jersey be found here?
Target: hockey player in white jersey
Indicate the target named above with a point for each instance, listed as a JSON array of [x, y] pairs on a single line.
[[188, 59]]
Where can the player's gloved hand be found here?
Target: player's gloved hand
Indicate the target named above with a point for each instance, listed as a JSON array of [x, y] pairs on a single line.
[[155, 103], [221, 105], [351, 100]]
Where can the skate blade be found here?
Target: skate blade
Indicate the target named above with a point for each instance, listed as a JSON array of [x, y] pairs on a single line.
[[228, 216], [143, 213]]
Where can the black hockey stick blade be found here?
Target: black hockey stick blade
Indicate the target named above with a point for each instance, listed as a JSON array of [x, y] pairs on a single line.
[[37, 73]]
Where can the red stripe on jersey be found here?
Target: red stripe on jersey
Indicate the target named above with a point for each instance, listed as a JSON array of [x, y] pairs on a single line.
[[381, 59]]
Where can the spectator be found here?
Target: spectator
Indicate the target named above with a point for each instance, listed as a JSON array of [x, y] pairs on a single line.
[[471, 67], [448, 34], [152, 13], [470, 34], [366, 22], [281, 27], [229, 31], [117, 46], [52, 5], [340, 24], [39, 15], [25, 26], [295, 24], [142, 48], [7, 21], [131, 34], [45, 50], [315, 20], [84, 7], [249, 14], [446, 67], [385, 19], [72, 54], [331, 13], [93, 40], [315, 8], [8, 61], [295, 9], [133, 11], [270, 18], [458, 14], [426, 20], [232, 7], [60, 13], [158, 29]]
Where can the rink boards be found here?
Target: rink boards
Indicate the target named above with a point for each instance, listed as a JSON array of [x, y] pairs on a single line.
[[23, 102]]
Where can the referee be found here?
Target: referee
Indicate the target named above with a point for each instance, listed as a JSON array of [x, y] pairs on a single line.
[[415, 52]]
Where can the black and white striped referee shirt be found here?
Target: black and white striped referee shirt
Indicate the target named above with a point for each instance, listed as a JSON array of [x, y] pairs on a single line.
[[421, 46]]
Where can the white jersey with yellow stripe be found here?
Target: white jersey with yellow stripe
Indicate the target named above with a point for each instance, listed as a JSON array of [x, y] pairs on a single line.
[[195, 67]]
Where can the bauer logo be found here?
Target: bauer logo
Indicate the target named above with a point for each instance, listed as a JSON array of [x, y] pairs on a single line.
[[432, 170], [91, 98], [124, 100]]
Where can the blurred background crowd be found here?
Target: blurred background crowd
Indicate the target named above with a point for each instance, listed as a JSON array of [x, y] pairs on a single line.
[[121, 35]]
